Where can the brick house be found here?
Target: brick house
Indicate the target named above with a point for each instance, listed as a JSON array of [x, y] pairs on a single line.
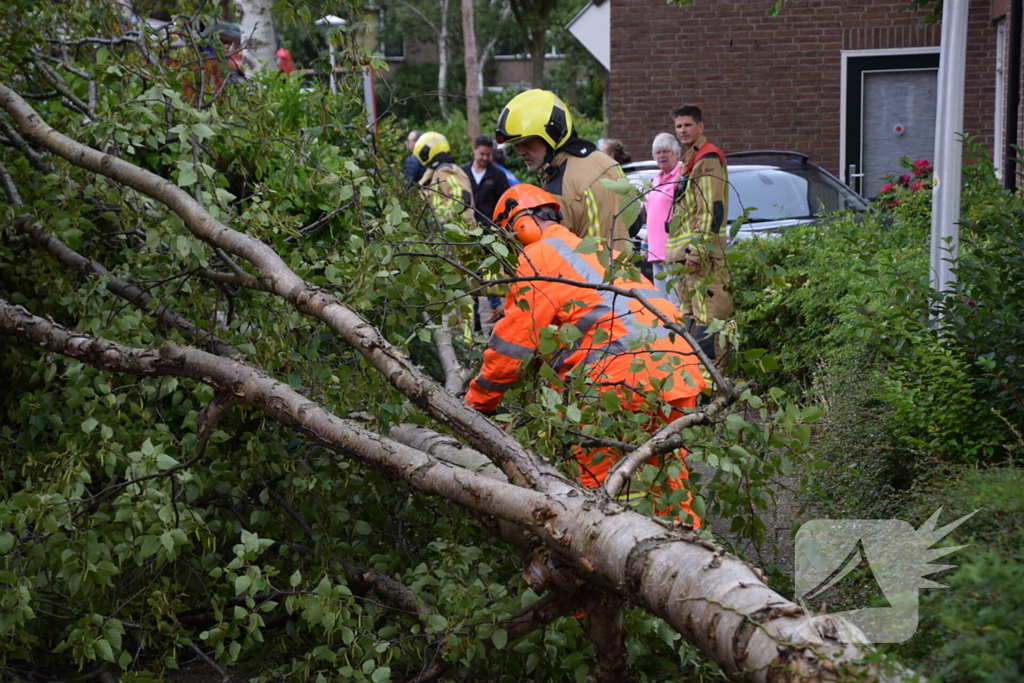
[[851, 83]]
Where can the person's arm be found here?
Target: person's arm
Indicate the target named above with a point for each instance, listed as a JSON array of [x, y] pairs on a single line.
[[514, 340]]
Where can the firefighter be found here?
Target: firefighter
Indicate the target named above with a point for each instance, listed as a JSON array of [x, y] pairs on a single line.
[[539, 124], [624, 348], [698, 239], [446, 185]]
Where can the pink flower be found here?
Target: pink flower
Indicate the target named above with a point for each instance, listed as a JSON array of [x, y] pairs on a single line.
[[892, 205], [921, 166], [919, 184], [905, 179], [885, 188]]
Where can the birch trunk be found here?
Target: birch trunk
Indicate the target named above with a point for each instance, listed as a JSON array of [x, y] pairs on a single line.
[[473, 86], [259, 45], [442, 59]]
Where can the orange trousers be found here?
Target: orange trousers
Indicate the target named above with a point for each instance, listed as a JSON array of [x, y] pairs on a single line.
[[593, 474]]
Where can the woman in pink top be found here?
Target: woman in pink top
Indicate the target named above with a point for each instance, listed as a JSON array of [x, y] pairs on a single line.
[[666, 152]]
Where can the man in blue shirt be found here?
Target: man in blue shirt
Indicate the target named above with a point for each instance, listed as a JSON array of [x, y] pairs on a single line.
[[412, 169]]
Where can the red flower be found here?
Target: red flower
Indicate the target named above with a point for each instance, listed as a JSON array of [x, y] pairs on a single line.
[[893, 204], [885, 188], [921, 166], [905, 179], [919, 184]]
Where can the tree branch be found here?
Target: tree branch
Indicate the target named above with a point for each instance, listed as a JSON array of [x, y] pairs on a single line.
[[61, 86], [455, 375], [665, 440], [19, 143]]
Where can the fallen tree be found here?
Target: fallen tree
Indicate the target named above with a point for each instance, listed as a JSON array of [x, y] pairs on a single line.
[[162, 498]]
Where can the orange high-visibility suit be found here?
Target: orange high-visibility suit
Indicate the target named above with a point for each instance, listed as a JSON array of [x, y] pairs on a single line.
[[631, 349]]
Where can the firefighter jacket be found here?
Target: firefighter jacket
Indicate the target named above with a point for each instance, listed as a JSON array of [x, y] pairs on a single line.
[[622, 345], [702, 203], [588, 207], [449, 191]]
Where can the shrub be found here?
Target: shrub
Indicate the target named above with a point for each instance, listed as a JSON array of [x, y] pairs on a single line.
[[974, 630]]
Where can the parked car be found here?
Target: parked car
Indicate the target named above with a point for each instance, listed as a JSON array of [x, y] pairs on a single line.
[[781, 189]]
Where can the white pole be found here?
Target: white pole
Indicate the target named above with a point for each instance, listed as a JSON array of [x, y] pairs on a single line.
[[949, 120], [330, 22]]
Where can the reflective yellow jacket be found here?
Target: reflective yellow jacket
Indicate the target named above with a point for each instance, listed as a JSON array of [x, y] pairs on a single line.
[[449, 191], [588, 207], [703, 206]]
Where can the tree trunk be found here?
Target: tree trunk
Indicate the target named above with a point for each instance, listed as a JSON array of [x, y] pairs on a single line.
[[259, 46], [538, 46], [472, 72], [442, 60]]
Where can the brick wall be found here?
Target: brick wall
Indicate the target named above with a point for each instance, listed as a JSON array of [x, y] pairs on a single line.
[[768, 83]]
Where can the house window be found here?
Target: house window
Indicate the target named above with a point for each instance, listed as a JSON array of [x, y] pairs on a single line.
[[391, 42]]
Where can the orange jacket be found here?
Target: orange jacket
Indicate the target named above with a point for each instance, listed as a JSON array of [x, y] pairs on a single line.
[[623, 344]]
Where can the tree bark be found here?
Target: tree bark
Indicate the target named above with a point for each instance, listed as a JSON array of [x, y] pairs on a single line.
[[259, 45], [538, 46], [715, 601], [442, 59], [472, 70]]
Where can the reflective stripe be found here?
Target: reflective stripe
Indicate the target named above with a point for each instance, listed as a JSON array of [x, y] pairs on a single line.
[[488, 385], [636, 334], [510, 349], [633, 342], [592, 214]]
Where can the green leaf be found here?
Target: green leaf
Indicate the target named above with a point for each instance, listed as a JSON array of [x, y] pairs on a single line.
[[812, 414], [165, 462], [621, 186], [104, 650], [242, 583], [186, 174], [363, 528], [500, 638], [587, 245], [296, 578], [203, 131], [381, 675], [6, 541], [89, 424]]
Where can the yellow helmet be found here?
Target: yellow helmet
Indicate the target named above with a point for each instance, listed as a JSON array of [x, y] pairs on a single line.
[[535, 113], [429, 145]]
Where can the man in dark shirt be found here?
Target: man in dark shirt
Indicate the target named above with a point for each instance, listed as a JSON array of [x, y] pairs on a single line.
[[488, 181], [412, 169]]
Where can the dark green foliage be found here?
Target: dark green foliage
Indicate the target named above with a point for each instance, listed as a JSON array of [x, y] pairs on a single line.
[[974, 629]]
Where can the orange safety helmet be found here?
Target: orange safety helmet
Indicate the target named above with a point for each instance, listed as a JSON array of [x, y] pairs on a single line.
[[518, 209]]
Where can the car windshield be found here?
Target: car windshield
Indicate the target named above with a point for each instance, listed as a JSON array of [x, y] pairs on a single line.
[[780, 194]]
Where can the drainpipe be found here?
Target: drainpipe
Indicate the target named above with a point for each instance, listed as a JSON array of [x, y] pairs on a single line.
[[1012, 95], [949, 121]]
